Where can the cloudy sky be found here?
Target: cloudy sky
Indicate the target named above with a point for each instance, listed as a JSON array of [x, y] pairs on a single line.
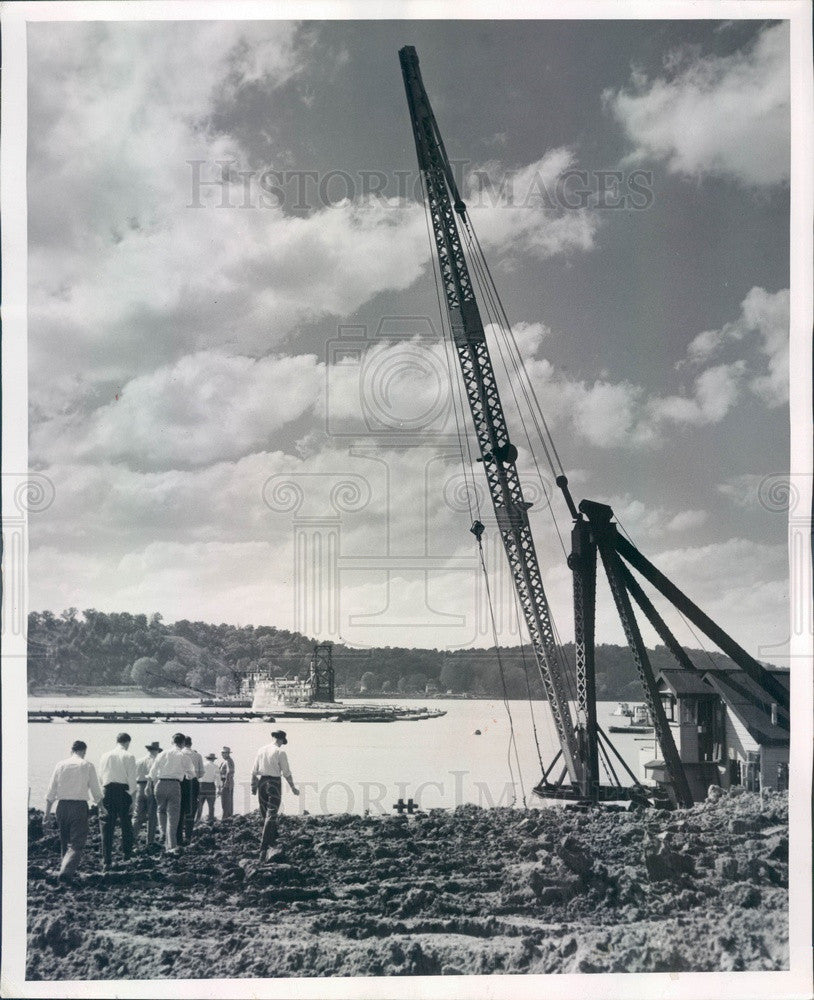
[[236, 376]]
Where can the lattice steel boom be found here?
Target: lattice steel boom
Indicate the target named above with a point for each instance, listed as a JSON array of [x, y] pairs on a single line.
[[497, 452]]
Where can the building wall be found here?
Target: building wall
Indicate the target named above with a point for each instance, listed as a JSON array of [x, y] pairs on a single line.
[[770, 757], [739, 745], [738, 739]]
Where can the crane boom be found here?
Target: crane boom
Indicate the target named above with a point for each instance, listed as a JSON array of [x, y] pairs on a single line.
[[497, 452]]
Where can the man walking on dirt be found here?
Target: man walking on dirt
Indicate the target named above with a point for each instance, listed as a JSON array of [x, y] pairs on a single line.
[[210, 780], [270, 767], [117, 772], [227, 783], [72, 781], [168, 770], [145, 795]]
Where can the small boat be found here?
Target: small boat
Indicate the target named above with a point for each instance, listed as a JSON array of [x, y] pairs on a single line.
[[639, 721]]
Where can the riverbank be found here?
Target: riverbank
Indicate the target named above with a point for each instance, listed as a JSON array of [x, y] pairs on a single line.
[[467, 891], [92, 691]]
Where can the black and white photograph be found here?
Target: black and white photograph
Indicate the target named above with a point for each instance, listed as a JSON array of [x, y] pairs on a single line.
[[406, 500]]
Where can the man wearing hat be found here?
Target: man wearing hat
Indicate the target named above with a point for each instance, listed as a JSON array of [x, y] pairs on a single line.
[[168, 771], [72, 781], [145, 795], [117, 773], [270, 767], [208, 789], [227, 783]]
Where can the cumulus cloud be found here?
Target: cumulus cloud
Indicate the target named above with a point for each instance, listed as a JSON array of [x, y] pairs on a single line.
[[125, 273], [529, 337], [647, 524], [743, 490], [518, 211], [721, 115], [764, 322], [624, 414], [159, 411], [206, 407]]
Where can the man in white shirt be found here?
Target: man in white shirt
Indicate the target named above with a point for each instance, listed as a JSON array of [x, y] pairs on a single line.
[[168, 771], [227, 783], [209, 787], [270, 767], [145, 795], [189, 795], [72, 781], [117, 772]]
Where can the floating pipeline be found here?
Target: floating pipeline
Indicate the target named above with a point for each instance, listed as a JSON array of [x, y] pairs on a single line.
[[445, 892], [330, 713]]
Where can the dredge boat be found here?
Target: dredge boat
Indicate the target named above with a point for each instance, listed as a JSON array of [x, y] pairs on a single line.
[[639, 720]]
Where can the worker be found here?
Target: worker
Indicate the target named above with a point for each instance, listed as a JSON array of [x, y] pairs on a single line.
[[227, 783], [72, 781], [117, 773], [210, 784], [270, 767], [189, 794], [168, 770], [145, 795]]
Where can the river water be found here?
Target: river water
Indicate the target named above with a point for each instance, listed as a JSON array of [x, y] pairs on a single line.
[[350, 767]]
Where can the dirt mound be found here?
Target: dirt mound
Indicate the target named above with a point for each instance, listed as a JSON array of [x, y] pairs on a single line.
[[466, 891]]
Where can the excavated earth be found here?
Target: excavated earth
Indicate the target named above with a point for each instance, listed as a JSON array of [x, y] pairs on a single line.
[[469, 891]]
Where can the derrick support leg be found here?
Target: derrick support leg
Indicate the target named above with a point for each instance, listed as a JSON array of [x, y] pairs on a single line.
[[611, 562], [583, 565]]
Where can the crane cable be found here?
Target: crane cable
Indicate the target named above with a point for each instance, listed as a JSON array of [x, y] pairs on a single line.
[[522, 362], [565, 668], [496, 325], [512, 737], [528, 683], [491, 297]]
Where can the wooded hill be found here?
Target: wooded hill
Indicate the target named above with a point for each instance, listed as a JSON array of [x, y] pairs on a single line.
[[101, 649]]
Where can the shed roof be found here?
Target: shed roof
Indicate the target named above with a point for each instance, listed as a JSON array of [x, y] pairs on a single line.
[[752, 706], [682, 682]]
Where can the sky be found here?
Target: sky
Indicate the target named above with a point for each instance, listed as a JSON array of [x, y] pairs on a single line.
[[238, 384]]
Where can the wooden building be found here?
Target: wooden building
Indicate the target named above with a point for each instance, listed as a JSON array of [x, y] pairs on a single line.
[[727, 730]]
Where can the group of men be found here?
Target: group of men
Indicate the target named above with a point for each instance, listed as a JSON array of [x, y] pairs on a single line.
[[166, 789]]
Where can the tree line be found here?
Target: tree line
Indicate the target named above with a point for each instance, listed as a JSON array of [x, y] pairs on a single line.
[[101, 649]]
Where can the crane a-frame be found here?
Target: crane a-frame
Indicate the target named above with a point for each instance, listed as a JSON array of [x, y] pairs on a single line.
[[593, 533]]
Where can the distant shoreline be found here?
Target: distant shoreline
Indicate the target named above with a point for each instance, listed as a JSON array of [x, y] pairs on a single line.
[[108, 691]]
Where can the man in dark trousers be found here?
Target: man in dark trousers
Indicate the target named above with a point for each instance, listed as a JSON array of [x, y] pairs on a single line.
[[189, 794], [72, 781], [117, 772], [146, 810], [270, 767], [227, 783]]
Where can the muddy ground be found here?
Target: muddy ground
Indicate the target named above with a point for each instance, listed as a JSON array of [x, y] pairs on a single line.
[[463, 892]]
